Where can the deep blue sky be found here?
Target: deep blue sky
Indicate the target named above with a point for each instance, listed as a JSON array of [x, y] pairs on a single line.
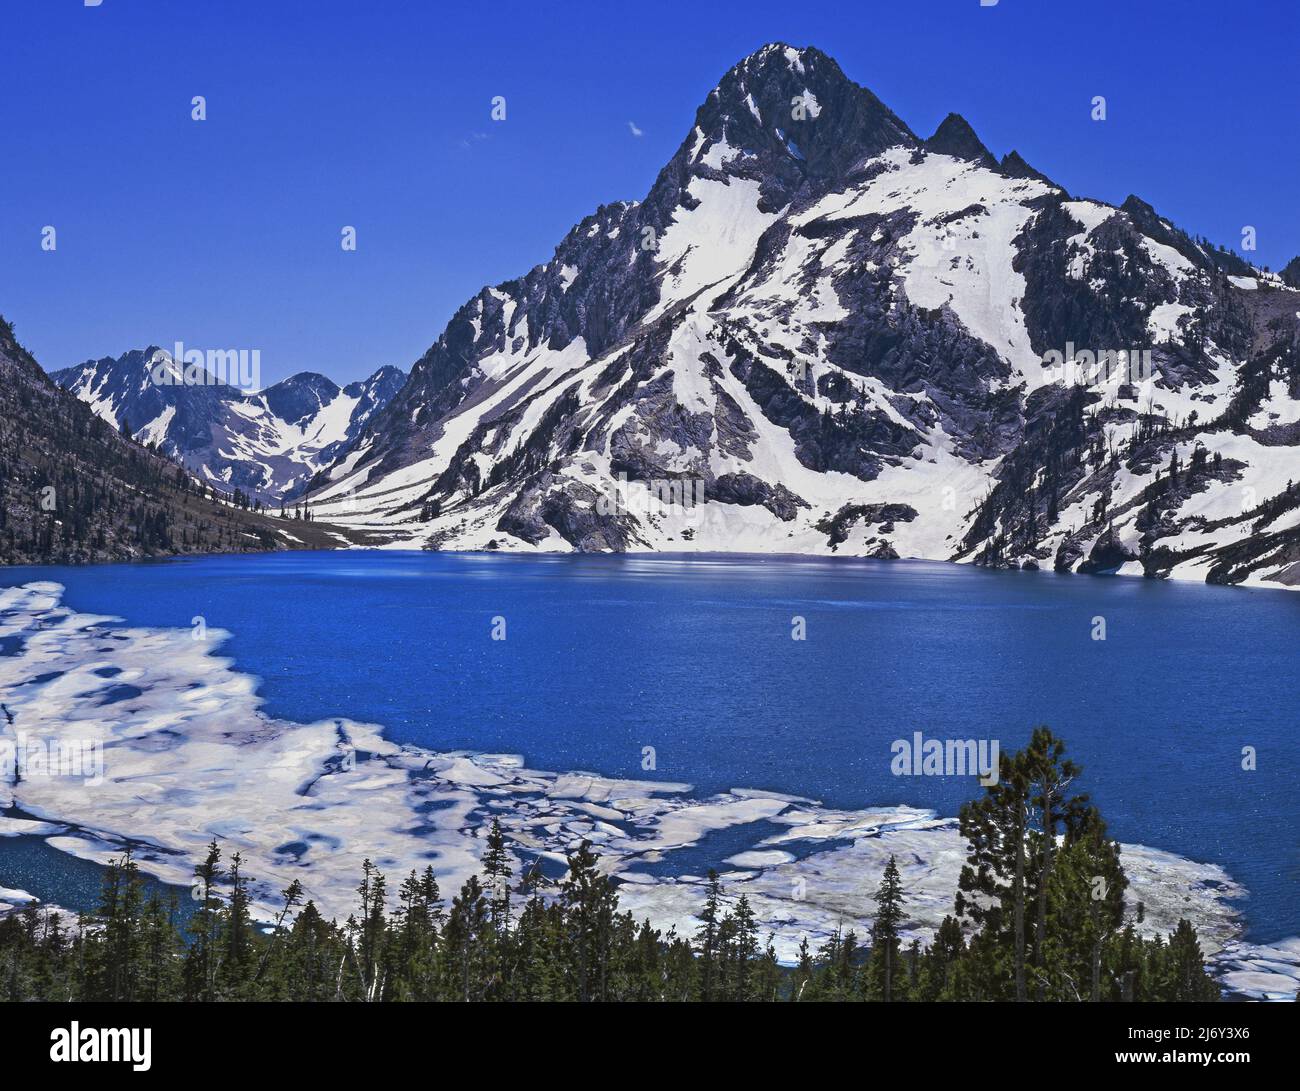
[[225, 233]]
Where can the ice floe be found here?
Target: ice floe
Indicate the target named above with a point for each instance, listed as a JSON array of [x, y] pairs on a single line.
[[189, 755]]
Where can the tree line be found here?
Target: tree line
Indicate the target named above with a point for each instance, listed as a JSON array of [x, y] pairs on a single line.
[[1039, 916]]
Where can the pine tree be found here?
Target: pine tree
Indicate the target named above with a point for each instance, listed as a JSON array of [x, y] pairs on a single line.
[[200, 966], [1186, 977], [496, 872], [746, 946], [991, 889], [1048, 774], [1085, 910], [804, 972], [118, 960], [884, 930], [577, 946], [368, 931], [941, 961], [706, 939], [163, 949], [236, 958], [417, 920], [467, 928], [292, 898], [588, 903]]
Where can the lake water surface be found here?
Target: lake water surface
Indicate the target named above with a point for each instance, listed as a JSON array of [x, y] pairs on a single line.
[[693, 656]]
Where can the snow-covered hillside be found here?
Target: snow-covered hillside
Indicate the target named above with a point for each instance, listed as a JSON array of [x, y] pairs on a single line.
[[268, 443], [820, 333]]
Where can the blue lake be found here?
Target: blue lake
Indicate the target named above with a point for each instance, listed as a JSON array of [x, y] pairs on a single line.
[[606, 655]]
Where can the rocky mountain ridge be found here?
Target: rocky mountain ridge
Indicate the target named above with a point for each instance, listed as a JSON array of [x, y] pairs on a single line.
[[820, 333], [267, 444], [74, 490]]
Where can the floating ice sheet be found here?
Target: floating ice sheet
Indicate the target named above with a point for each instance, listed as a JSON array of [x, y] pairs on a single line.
[[190, 756]]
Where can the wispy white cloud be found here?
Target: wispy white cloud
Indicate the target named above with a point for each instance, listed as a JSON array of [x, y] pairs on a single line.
[[635, 131]]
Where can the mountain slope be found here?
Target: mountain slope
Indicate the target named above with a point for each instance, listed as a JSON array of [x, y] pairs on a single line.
[[819, 333], [73, 490], [267, 444]]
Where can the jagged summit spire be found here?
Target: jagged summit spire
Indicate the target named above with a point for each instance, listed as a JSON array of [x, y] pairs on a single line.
[[1013, 165], [955, 137], [778, 52], [793, 107]]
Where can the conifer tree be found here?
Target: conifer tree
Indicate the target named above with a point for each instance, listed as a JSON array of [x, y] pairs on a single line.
[[292, 897], [200, 968], [940, 963], [991, 889], [163, 950], [467, 928], [588, 903], [237, 958], [121, 910], [706, 939], [1048, 774], [746, 944], [368, 931], [1186, 977], [884, 930], [496, 872], [804, 972]]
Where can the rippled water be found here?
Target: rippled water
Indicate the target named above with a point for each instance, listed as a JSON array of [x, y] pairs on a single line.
[[607, 655]]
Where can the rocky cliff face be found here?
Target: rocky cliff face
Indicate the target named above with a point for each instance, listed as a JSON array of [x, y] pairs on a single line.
[[819, 333]]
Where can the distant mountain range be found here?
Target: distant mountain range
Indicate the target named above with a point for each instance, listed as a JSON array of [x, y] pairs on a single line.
[[267, 444], [822, 333], [74, 490]]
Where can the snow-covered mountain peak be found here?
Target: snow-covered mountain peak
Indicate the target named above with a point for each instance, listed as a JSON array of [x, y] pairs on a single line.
[[300, 397], [790, 118], [817, 333], [268, 443]]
